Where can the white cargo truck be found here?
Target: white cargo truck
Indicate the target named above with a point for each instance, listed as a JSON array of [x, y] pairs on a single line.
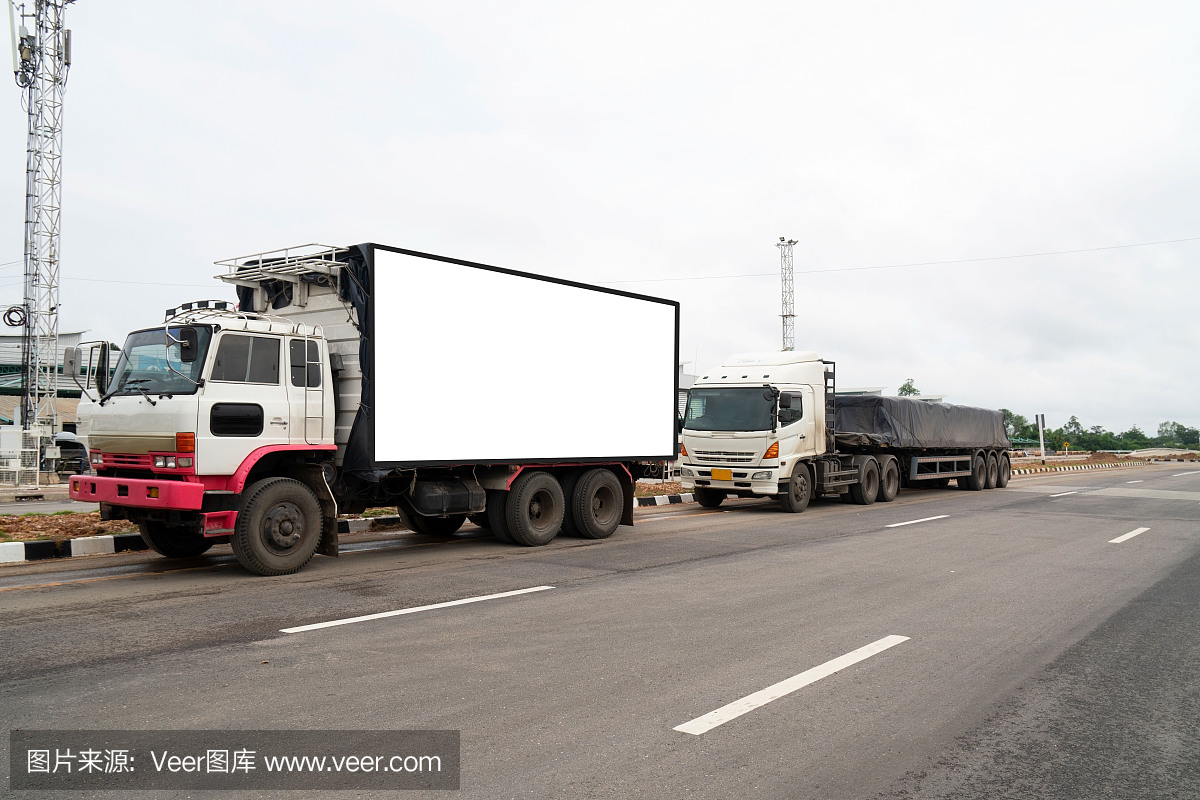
[[354, 377], [772, 425]]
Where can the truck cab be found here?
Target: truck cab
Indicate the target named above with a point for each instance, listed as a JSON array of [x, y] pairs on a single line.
[[194, 411], [751, 424]]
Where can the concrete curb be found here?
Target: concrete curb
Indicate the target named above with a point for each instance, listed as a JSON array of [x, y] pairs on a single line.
[[662, 500], [1077, 467], [42, 549]]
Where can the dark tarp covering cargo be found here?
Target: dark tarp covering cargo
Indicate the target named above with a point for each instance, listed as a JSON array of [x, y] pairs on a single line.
[[903, 422]]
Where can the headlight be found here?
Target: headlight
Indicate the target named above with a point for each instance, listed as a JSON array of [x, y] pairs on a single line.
[[97, 458], [687, 473], [185, 462], [761, 476], [164, 462]]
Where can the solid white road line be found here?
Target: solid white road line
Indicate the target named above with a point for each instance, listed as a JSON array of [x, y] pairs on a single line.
[[1063, 494], [915, 521], [750, 702], [1129, 535], [413, 610], [1181, 474]]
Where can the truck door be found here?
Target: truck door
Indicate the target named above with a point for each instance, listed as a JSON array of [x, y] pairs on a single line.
[[796, 424], [306, 390], [244, 404]]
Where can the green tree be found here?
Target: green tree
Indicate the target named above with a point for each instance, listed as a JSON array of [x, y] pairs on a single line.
[[1017, 426], [1133, 439], [908, 390], [1073, 429]]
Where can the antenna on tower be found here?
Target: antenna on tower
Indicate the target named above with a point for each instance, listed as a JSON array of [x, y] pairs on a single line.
[[789, 308], [41, 60]]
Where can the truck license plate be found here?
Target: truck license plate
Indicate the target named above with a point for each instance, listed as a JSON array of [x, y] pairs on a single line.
[[722, 475]]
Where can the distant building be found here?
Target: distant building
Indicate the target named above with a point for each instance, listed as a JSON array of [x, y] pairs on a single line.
[[12, 369]]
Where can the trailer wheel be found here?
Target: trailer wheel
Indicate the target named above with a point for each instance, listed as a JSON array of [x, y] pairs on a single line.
[[496, 501], [708, 498], [1004, 472], [889, 482], [173, 542], [534, 511], [864, 492], [799, 490], [993, 472], [438, 526], [978, 477], [596, 504], [278, 527]]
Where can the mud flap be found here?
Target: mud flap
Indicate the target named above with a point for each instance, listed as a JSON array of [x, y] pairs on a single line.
[[314, 476]]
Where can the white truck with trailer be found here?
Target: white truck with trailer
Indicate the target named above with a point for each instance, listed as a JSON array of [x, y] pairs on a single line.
[[772, 425], [366, 376]]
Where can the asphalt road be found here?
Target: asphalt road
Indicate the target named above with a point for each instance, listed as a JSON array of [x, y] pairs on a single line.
[[1018, 650]]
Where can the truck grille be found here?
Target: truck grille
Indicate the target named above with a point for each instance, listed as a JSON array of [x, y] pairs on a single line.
[[126, 460], [718, 457]]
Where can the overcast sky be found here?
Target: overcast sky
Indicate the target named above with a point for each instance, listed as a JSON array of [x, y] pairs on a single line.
[[663, 148]]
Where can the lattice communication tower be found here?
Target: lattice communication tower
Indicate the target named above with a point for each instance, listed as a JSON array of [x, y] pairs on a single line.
[[41, 60], [789, 297]]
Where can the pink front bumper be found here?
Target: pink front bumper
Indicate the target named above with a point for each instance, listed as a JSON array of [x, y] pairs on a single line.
[[167, 495]]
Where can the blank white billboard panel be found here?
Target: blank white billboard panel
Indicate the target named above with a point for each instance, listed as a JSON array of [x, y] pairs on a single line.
[[473, 365]]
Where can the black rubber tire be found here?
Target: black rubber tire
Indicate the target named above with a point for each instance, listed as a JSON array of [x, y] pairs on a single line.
[[497, 499], [799, 490], [866, 490], [535, 508], [889, 481], [278, 527], [480, 520], [173, 542], [440, 527], [993, 472], [978, 477], [597, 503], [1004, 472], [708, 498], [568, 483]]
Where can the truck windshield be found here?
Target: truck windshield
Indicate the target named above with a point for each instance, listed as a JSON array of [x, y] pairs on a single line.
[[728, 409], [142, 366]]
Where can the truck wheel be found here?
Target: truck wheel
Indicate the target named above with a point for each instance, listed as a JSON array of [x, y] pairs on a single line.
[[708, 498], [1004, 471], [864, 493], [889, 482], [993, 472], [173, 542], [799, 491], [534, 511], [278, 527], [496, 501], [978, 477], [438, 526], [596, 504]]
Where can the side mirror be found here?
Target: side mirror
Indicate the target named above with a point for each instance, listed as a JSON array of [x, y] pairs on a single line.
[[785, 400], [102, 370], [189, 345], [71, 362]]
